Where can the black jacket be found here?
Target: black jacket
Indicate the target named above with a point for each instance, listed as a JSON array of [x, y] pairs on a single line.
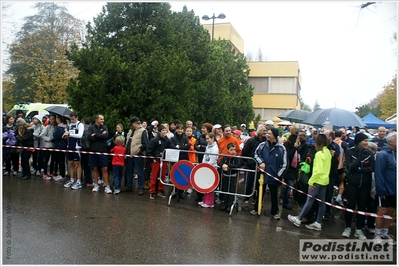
[[359, 163], [182, 142], [27, 139], [200, 145], [249, 150], [157, 145], [98, 142], [292, 173]]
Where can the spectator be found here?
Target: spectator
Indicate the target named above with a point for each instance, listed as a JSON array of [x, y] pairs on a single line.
[[25, 139], [243, 129], [155, 148], [98, 135], [10, 155], [118, 163], [385, 185], [291, 146], [272, 158], [229, 176], [211, 148], [60, 142], [200, 145], [74, 135], [317, 184], [359, 162], [249, 151], [136, 145], [47, 141], [36, 155], [381, 138]]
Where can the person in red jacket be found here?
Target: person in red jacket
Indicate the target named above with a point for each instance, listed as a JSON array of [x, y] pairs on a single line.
[[118, 163]]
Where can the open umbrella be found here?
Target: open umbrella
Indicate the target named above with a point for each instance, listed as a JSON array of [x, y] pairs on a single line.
[[59, 110], [284, 123], [294, 115], [335, 117]]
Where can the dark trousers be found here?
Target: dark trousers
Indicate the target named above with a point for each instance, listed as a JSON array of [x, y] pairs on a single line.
[[49, 156], [372, 208], [87, 172], [273, 195], [229, 185], [60, 162], [25, 155], [357, 199], [329, 196], [14, 160], [35, 160]]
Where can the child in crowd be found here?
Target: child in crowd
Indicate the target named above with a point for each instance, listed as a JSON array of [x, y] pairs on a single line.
[[118, 163], [229, 176], [211, 148]]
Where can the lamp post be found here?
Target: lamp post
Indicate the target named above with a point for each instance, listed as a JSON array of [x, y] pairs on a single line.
[[206, 17]]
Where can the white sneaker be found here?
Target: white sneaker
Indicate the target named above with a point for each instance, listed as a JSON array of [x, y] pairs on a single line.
[[69, 184], [359, 234], [347, 232], [314, 226], [294, 220], [77, 185], [107, 189], [14, 173], [189, 191], [200, 203], [117, 191], [206, 205], [59, 178], [95, 189]]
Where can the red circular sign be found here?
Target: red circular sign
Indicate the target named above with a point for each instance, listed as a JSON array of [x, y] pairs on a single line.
[[180, 174], [204, 178]]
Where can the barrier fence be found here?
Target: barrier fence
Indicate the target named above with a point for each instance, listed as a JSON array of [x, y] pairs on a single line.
[[242, 174]]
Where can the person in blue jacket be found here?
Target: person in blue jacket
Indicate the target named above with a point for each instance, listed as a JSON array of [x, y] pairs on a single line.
[[385, 185], [271, 156]]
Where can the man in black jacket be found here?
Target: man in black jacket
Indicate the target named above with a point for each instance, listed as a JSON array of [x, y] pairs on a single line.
[[155, 148], [97, 135], [249, 151]]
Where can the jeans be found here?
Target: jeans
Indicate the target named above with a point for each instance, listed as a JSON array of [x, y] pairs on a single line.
[[117, 172], [131, 164], [319, 192], [25, 155], [287, 191]]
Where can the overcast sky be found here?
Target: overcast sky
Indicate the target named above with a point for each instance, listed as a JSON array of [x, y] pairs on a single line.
[[346, 55]]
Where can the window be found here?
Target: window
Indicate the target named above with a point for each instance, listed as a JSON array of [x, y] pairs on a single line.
[[286, 85], [260, 84]]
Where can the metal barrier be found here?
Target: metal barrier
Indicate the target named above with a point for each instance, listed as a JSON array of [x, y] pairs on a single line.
[[171, 157]]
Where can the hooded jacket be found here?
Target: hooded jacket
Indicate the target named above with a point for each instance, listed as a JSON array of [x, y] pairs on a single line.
[[47, 136], [385, 172], [321, 167]]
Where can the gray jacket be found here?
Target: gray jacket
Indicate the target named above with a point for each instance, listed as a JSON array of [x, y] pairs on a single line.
[[47, 136]]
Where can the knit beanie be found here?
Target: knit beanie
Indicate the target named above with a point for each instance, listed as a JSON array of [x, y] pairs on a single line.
[[20, 122], [360, 137], [274, 131]]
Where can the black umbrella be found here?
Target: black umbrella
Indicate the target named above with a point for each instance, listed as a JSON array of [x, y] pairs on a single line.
[[294, 115], [59, 110], [335, 117]]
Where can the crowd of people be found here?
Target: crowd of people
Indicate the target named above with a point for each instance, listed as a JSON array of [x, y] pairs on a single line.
[[361, 167]]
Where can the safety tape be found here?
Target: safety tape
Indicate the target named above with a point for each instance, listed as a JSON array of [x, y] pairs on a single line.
[[330, 204], [80, 151]]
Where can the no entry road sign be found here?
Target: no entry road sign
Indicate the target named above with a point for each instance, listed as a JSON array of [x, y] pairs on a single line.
[[204, 178]]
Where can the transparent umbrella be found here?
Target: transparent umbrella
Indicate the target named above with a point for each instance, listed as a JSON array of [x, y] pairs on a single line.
[[335, 117]]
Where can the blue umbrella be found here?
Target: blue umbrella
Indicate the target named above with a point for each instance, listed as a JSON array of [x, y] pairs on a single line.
[[294, 115], [336, 117]]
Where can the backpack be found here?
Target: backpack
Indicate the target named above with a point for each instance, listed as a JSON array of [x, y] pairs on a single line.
[[85, 142], [11, 140]]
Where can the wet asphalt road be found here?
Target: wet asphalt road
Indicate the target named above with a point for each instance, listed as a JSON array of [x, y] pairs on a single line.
[[45, 223]]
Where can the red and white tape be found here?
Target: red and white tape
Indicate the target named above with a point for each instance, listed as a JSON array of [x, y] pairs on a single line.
[[80, 151], [330, 204]]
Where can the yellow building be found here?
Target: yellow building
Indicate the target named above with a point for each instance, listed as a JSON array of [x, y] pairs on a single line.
[[277, 84]]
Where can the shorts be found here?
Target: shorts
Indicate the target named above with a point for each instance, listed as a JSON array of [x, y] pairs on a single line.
[[71, 156], [99, 161], [340, 171], [388, 202]]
